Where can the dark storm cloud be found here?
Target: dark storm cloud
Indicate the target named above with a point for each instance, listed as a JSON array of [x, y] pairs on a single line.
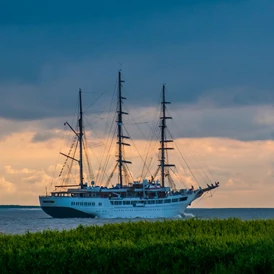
[[216, 50], [45, 136], [244, 123], [51, 11]]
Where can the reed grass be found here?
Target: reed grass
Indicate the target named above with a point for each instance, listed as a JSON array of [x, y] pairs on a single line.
[[171, 246]]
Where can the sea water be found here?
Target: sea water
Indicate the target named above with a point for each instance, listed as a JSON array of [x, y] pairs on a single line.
[[19, 220]]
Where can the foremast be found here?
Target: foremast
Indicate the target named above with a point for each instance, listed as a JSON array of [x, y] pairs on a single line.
[[163, 142], [80, 137], [120, 135]]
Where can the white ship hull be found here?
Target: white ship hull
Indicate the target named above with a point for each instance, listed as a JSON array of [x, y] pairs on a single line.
[[70, 207]]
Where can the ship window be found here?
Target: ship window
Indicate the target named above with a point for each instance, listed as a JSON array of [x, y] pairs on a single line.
[[183, 199], [48, 202], [93, 204], [167, 201], [111, 202], [159, 201], [151, 202], [99, 204], [174, 200], [126, 202], [85, 203]]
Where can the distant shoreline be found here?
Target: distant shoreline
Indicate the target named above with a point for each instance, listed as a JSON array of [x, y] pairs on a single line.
[[18, 206]]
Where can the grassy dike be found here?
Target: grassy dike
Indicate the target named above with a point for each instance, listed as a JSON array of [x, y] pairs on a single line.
[[172, 246]]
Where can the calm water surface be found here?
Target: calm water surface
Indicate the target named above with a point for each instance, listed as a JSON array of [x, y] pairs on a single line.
[[21, 220]]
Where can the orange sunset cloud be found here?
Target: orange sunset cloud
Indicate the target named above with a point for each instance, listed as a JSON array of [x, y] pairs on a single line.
[[243, 168]]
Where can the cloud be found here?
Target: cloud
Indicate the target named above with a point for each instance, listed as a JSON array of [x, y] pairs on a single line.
[[225, 62], [45, 136], [10, 170], [56, 96], [244, 169], [204, 119], [218, 76], [85, 11], [7, 187]]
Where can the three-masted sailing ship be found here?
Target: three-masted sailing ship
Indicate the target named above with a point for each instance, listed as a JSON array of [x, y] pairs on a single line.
[[144, 199]]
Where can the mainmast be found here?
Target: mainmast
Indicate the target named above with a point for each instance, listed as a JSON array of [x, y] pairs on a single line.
[[120, 131], [80, 137], [163, 140]]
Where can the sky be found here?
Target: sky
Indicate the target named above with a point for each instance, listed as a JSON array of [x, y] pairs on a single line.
[[215, 57]]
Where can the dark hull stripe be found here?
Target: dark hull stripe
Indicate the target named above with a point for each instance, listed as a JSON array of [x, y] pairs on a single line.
[[65, 212]]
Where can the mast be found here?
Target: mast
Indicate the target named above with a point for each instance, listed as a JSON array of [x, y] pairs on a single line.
[[163, 140], [120, 131], [80, 138]]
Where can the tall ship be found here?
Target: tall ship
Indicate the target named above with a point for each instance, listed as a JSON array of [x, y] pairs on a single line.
[[145, 198]]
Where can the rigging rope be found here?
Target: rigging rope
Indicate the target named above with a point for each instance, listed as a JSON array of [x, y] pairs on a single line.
[[66, 178], [204, 174], [111, 175], [152, 148], [91, 174], [136, 149], [107, 147], [71, 147], [186, 164], [93, 101], [54, 172]]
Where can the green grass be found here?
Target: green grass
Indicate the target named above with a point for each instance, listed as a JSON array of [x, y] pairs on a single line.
[[181, 246]]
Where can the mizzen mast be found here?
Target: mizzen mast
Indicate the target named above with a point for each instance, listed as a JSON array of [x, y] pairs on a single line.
[[163, 140], [120, 135]]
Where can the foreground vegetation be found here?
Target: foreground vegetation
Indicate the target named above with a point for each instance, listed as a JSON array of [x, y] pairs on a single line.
[[181, 246]]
